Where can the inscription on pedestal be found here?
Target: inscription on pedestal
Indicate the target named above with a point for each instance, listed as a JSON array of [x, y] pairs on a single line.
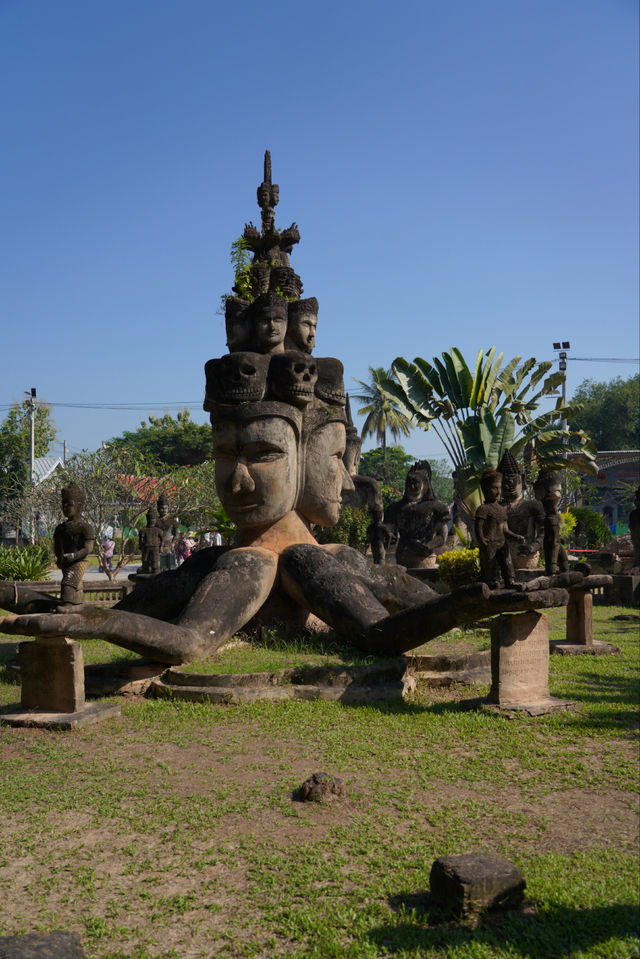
[[52, 674], [519, 659]]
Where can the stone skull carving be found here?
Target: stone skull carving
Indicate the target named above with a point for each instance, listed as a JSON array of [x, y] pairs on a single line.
[[330, 384], [292, 377], [236, 378]]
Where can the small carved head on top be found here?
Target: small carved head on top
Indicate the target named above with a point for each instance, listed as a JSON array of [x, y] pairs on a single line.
[[269, 317], [237, 323], [302, 325], [292, 377]]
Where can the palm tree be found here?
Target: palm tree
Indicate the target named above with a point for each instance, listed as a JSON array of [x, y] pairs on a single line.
[[381, 411]]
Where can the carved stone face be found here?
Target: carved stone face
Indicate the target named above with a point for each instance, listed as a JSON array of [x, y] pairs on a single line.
[[239, 331], [237, 378], [256, 469], [491, 489], [270, 330], [511, 487], [70, 506], [417, 486], [302, 331], [351, 456], [292, 377], [325, 475]]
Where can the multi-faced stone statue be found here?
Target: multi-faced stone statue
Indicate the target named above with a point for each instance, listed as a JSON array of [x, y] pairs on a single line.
[[302, 325], [72, 543], [420, 522], [279, 468], [493, 533]]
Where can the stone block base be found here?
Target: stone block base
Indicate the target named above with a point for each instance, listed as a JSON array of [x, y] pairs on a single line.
[[86, 716], [597, 648], [52, 675], [468, 883]]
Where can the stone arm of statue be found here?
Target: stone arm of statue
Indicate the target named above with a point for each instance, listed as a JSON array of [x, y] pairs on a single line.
[[251, 236], [289, 237]]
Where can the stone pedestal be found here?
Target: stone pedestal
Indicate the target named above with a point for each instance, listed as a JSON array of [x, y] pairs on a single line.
[[624, 590], [520, 665], [52, 675], [579, 635], [474, 881]]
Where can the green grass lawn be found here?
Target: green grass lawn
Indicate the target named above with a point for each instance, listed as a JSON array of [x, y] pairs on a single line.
[[171, 831]]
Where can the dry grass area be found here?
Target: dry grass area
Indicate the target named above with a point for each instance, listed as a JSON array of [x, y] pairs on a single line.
[[172, 831]]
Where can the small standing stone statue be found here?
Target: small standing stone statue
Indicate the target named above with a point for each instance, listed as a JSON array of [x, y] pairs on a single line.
[[168, 525], [419, 520], [150, 544], [634, 529], [493, 533], [378, 536], [72, 543], [548, 489], [524, 516]]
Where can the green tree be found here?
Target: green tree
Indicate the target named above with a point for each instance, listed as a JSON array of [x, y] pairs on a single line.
[[610, 412], [119, 486], [163, 439], [478, 415], [380, 409], [390, 471], [15, 446]]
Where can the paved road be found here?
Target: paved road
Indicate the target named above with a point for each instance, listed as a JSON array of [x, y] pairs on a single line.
[[93, 574]]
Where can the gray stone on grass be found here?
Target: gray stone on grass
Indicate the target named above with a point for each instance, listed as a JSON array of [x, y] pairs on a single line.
[[38, 945], [471, 882], [321, 787]]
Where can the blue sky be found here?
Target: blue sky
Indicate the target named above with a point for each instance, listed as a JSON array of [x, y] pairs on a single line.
[[462, 173]]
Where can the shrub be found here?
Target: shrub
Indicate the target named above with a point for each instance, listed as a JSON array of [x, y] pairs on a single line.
[[591, 531], [351, 529], [25, 562], [459, 566]]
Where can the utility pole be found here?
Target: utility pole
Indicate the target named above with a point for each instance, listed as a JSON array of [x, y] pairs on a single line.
[[64, 452]]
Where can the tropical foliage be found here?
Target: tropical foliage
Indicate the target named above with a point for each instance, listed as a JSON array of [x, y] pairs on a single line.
[[478, 414], [381, 410], [15, 442], [25, 562]]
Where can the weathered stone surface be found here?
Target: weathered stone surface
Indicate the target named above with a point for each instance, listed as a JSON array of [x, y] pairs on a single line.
[[418, 520], [89, 714], [473, 881], [72, 543], [443, 670], [597, 648], [52, 673], [520, 664], [40, 945], [347, 684], [624, 590], [321, 787], [580, 619]]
